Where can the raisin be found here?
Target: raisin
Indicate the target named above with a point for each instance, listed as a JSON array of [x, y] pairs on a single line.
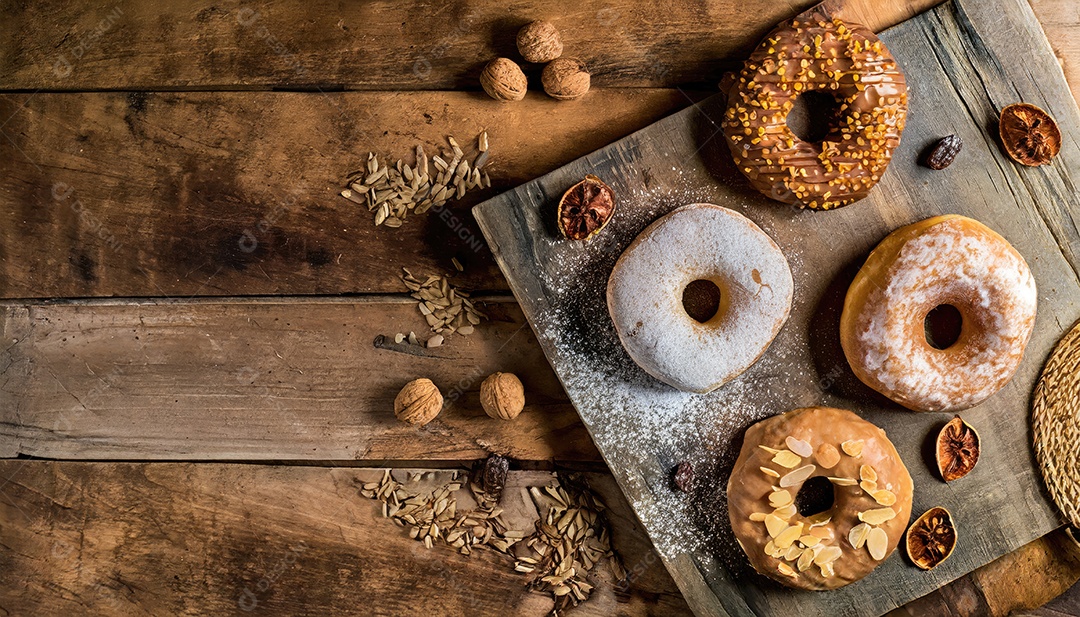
[[944, 152]]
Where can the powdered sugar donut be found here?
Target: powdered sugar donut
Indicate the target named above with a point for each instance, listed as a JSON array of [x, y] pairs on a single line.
[[699, 242], [945, 260]]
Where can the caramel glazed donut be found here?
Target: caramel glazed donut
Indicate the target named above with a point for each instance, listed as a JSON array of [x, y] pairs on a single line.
[[707, 242], [950, 260], [872, 493], [844, 60]]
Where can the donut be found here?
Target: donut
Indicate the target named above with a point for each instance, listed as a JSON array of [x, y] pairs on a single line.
[[699, 242], [843, 60], [945, 260], [871, 488]]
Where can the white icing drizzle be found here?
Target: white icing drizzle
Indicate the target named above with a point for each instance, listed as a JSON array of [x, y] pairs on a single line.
[[986, 280]]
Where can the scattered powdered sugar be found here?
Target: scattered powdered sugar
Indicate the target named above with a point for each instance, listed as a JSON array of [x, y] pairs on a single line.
[[643, 426]]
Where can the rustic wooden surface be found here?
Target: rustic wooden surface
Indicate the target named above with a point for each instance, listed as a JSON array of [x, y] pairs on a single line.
[[386, 45], [165, 177], [265, 379], [117, 539], [962, 66]]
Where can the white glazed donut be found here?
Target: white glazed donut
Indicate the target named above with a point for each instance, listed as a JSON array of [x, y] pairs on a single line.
[[699, 241], [949, 260]]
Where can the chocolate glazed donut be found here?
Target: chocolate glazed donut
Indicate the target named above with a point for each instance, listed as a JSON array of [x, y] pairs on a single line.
[[846, 61]]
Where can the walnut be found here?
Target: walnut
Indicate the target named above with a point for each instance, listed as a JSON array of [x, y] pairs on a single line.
[[565, 79], [418, 402], [503, 80], [502, 396], [539, 42]]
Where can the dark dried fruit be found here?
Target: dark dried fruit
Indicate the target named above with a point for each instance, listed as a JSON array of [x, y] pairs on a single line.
[[944, 152], [491, 476], [683, 478], [957, 449], [1029, 134], [931, 538], [585, 208]]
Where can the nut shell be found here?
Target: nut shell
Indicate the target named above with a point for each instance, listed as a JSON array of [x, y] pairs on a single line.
[[1030, 135], [566, 79], [931, 538], [502, 396], [418, 402], [539, 41], [504, 80], [957, 449]]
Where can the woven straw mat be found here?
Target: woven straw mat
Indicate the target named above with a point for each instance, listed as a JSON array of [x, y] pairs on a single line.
[[1056, 424]]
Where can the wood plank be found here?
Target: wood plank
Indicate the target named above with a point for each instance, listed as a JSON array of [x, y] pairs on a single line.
[[963, 64], [387, 45], [272, 379], [236, 193], [1031, 576], [172, 539], [1060, 19]]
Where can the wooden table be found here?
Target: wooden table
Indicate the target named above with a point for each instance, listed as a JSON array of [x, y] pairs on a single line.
[[189, 387]]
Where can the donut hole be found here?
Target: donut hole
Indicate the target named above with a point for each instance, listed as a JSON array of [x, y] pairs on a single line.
[[942, 326], [815, 496], [701, 300], [814, 115]]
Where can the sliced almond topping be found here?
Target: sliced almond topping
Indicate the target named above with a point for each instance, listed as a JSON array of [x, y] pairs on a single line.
[[798, 446], [852, 447], [877, 542], [828, 554], [819, 519], [827, 570], [792, 553], [786, 512], [774, 524], [787, 458], [757, 517], [827, 456], [843, 481], [771, 550], [798, 476], [806, 559], [877, 516], [857, 536], [768, 449], [821, 532], [809, 540], [770, 472], [786, 570], [780, 499], [884, 497], [788, 536], [868, 486], [867, 473]]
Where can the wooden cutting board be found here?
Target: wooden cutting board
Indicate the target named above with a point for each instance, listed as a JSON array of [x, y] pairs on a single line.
[[964, 61]]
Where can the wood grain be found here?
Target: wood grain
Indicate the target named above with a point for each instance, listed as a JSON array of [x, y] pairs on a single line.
[[236, 193], [265, 380], [385, 45], [962, 65], [1060, 19], [182, 539]]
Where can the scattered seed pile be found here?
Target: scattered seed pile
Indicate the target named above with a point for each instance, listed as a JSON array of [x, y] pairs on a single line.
[[446, 308], [572, 538], [392, 191], [569, 540], [433, 517]]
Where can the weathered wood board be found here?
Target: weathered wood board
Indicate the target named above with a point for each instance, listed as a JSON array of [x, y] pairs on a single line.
[[385, 45], [121, 539], [964, 61], [266, 379]]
